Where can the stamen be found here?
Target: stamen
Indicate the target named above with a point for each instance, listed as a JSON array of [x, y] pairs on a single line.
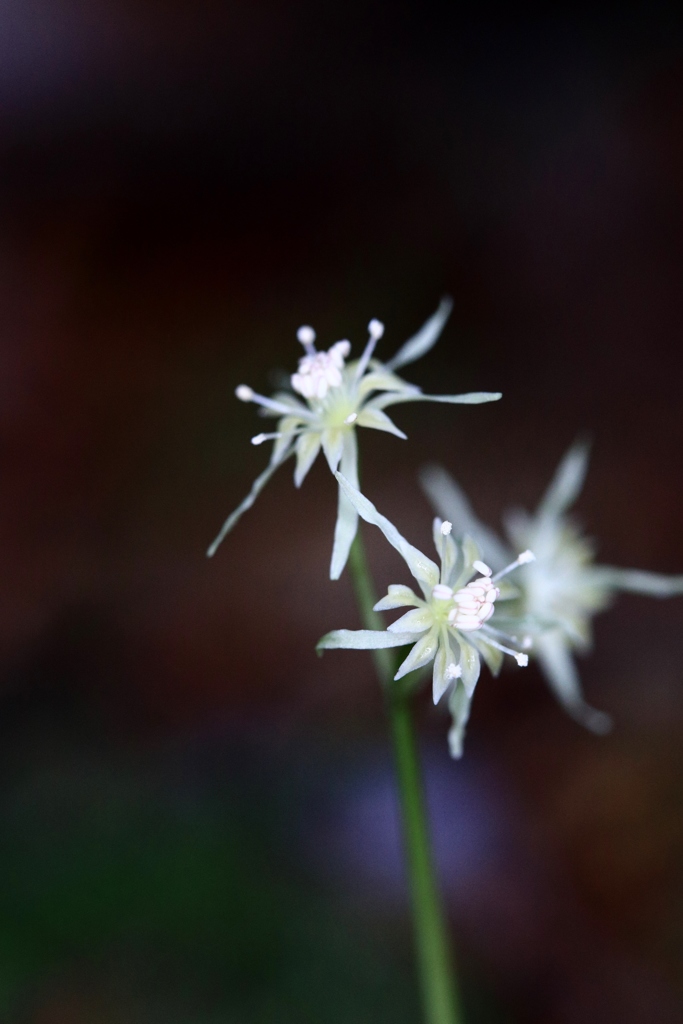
[[453, 671], [482, 567], [260, 438], [351, 418], [442, 593], [376, 329], [306, 335], [343, 348], [446, 528], [521, 659], [526, 556], [247, 394]]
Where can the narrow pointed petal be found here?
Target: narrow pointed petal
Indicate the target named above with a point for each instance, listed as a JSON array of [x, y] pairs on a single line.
[[307, 448], [378, 420], [297, 407], [464, 570], [421, 654], [363, 640], [424, 570], [450, 501], [566, 485], [333, 446], [347, 517], [398, 596], [425, 338], [459, 706], [560, 671], [440, 678], [415, 621], [654, 584], [256, 488], [521, 528], [470, 665], [382, 380], [470, 398], [491, 655]]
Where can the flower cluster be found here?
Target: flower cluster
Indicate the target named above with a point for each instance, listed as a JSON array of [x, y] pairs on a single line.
[[563, 588], [337, 397], [448, 625], [468, 608]]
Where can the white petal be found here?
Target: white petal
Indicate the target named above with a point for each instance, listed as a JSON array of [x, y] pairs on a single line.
[[379, 421], [287, 399], [421, 654], [347, 517], [464, 570], [470, 398], [558, 667], [440, 679], [426, 337], [333, 446], [491, 655], [654, 584], [567, 482], [423, 569], [363, 639], [397, 597], [450, 501], [470, 665], [414, 621], [280, 453], [307, 448], [459, 706], [382, 380]]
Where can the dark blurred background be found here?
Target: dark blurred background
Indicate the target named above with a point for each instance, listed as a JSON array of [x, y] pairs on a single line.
[[197, 818]]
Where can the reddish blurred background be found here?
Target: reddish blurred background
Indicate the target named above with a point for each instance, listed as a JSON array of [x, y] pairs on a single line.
[[197, 814]]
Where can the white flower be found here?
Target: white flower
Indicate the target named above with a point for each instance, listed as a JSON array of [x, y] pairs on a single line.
[[563, 588], [337, 398], [447, 625]]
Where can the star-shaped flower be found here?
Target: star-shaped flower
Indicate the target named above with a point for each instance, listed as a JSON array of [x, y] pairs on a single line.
[[448, 625], [330, 398], [563, 588]]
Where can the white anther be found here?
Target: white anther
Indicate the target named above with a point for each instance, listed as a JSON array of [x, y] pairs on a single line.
[[342, 347], [526, 556], [259, 438], [522, 660], [244, 393], [375, 329], [482, 567], [453, 671], [306, 335], [442, 593], [351, 418], [473, 604], [319, 371], [446, 528], [527, 643]]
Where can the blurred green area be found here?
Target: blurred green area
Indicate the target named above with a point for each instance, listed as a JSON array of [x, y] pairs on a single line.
[[123, 900]]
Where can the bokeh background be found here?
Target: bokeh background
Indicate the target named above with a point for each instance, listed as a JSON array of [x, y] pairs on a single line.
[[197, 817]]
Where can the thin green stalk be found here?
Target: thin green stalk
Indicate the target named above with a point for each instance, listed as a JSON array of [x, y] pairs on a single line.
[[435, 962]]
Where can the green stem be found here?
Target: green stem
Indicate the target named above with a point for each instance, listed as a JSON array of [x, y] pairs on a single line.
[[435, 963]]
